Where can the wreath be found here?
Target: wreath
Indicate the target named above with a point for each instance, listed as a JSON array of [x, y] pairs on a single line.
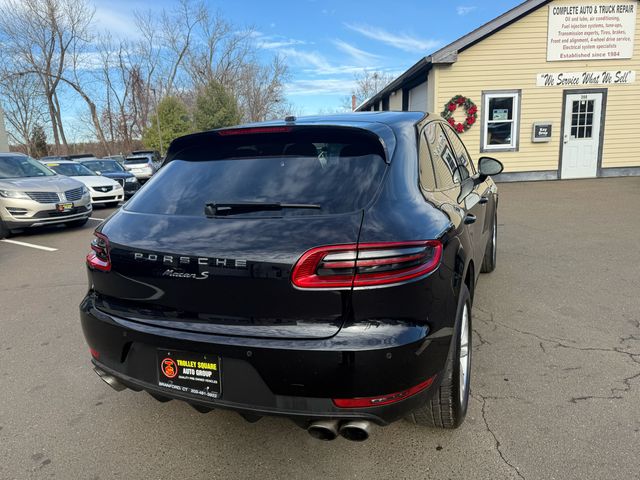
[[470, 110]]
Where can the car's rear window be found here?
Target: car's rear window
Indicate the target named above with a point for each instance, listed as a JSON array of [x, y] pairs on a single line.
[[136, 161], [338, 169]]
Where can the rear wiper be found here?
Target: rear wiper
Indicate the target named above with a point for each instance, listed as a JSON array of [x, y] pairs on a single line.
[[216, 209]]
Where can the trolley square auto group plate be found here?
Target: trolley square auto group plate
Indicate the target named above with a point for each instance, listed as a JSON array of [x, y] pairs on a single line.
[[196, 374]]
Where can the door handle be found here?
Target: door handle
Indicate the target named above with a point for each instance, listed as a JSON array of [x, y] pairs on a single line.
[[483, 200], [469, 219]]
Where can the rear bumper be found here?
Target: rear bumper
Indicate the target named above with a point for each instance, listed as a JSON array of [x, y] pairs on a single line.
[[292, 378], [142, 175]]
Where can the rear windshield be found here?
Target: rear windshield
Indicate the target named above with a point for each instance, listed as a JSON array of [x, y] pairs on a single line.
[[338, 170], [104, 166], [70, 169], [136, 161]]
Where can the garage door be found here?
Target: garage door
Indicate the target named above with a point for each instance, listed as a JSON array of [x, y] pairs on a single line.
[[418, 98]]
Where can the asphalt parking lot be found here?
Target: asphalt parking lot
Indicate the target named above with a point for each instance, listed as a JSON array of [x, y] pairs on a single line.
[[555, 386]]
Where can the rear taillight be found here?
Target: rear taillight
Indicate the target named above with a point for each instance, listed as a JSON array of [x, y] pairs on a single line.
[[99, 258], [366, 265], [365, 402]]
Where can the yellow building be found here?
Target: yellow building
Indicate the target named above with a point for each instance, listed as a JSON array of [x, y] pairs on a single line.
[[554, 84]]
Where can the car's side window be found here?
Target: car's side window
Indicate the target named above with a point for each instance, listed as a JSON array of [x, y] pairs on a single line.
[[460, 151], [444, 162], [427, 175]]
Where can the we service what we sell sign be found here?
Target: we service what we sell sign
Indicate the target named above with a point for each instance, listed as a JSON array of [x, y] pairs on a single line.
[[600, 30], [575, 79]]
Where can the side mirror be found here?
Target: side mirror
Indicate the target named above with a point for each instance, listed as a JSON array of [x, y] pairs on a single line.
[[488, 167], [98, 172], [466, 189]]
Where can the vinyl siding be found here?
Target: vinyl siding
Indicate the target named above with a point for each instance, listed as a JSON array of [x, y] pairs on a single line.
[[510, 60]]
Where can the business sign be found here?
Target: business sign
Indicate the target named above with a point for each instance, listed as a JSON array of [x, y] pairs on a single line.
[[576, 79], [542, 132], [597, 31]]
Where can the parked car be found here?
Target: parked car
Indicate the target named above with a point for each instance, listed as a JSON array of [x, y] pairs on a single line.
[[102, 189], [52, 158], [117, 158], [321, 269], [112, 169], [154, 154], [31, 195], [78, 156], [141, 166]]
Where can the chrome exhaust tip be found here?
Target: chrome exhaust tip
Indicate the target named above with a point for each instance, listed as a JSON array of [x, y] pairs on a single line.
[[356, 430], [324, 430], [110, 380]]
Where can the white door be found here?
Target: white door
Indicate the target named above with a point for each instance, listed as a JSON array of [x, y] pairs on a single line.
[[581, 135]]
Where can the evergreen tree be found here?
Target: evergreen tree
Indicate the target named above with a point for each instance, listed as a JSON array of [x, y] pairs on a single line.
[[38, 142], [215, 108], [170, 121]]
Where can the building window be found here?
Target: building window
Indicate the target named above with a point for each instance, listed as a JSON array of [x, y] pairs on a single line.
[[500, 121]]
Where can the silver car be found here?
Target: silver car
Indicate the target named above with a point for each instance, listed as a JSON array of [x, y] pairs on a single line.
[[31, 195], [141, 166]]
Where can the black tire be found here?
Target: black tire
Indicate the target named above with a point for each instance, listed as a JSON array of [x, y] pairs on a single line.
[[447, 408], [489, 260], [112, 204], [77, 223], [4, 230]]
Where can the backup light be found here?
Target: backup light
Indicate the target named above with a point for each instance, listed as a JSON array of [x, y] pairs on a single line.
[[366, 265]]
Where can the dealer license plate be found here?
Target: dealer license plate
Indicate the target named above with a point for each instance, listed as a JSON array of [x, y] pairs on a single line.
[[192, 373], [64, 207]]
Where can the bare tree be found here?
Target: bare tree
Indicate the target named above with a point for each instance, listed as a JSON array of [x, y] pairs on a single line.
[[179, 50], [367, 84], [179, 27], [24, 106], [37, 35], [261, 91]]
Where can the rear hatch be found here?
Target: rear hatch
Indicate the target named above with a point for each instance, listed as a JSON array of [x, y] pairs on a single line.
[[208, 245]]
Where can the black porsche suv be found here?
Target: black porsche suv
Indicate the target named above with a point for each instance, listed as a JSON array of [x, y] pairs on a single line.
[[321, 269]]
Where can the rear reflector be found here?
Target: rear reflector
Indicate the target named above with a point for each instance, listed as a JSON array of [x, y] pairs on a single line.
[[99, 258], [366, 265], [250, 131], [94, 353], [365, 402]]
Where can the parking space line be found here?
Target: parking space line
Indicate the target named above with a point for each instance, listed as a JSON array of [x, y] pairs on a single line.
[[97, 219], [31, 245]]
